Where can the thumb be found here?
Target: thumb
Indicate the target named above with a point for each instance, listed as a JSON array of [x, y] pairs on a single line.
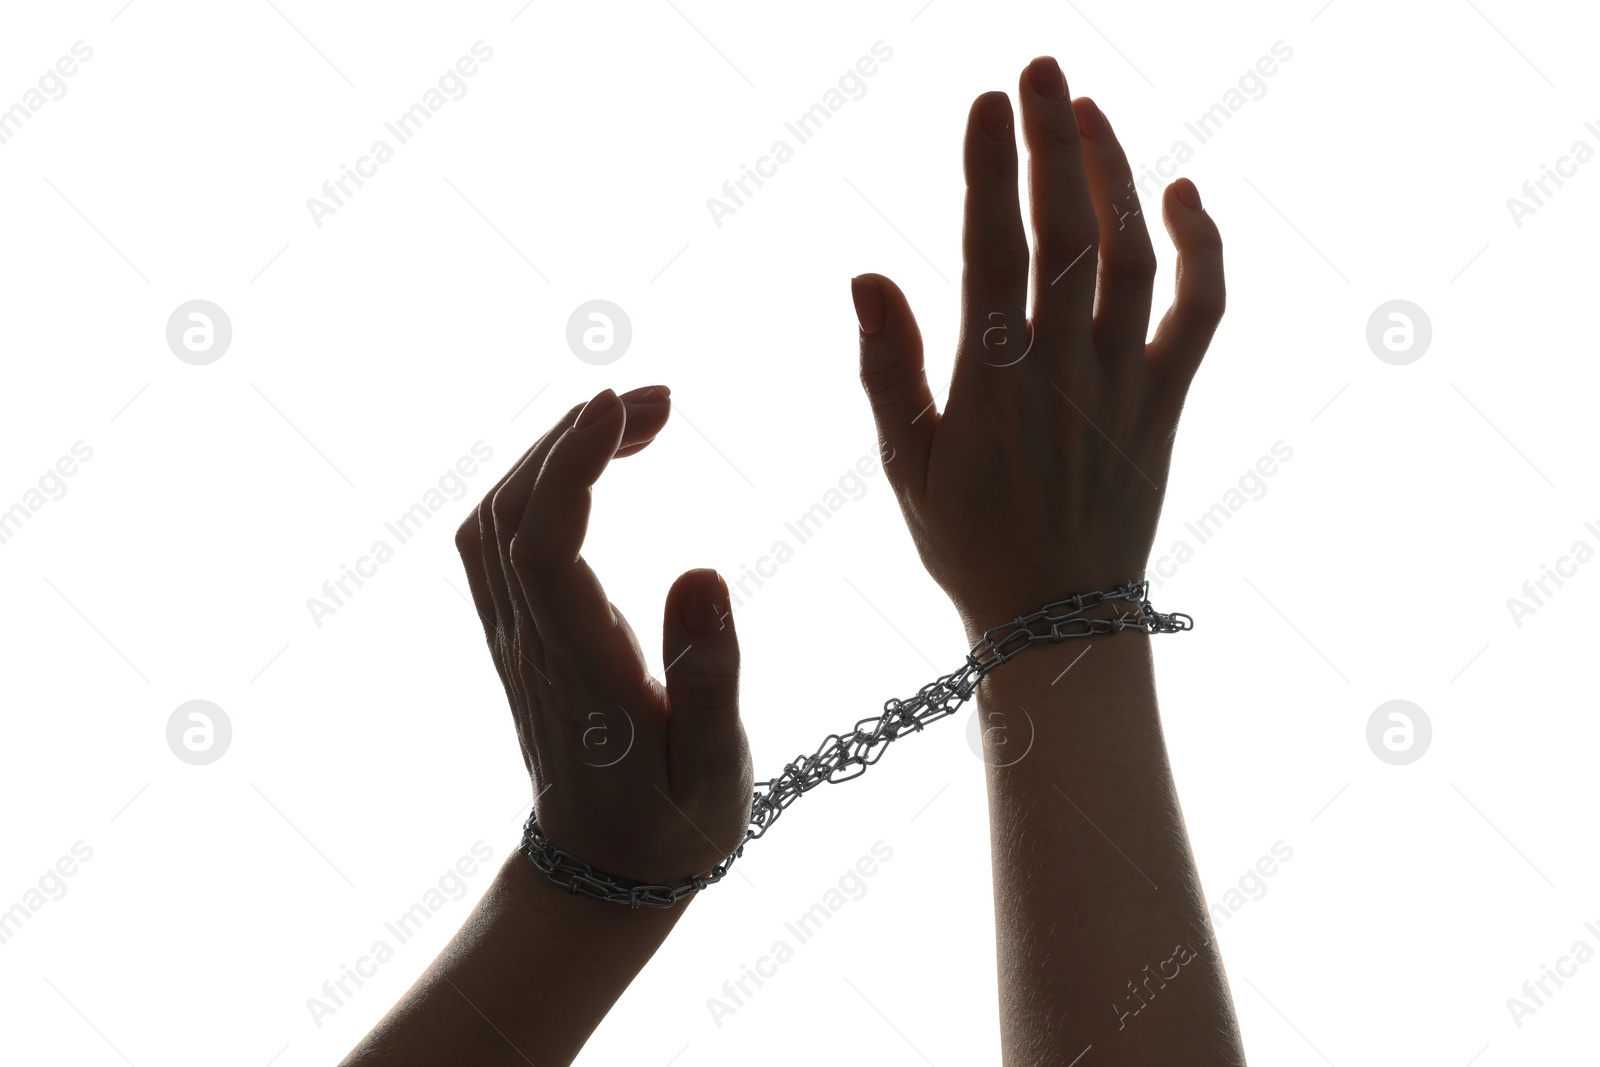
[[701, 652], [892, 374]]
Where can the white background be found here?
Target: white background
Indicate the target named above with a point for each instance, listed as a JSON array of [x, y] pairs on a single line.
[[429, 313]]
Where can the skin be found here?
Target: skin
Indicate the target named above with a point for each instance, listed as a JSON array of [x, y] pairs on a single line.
[[672, 804], [1054, 443], [1043, 477]]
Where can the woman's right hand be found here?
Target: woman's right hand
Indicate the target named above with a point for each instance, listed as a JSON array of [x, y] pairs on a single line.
[[1044, 475]]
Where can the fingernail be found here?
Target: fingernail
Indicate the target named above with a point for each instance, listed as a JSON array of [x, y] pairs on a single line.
[[1188, 193], [994, 113], [1048, 81], [596, 409], [646, 394], [1091, 120], [869, 304], [705, 604]]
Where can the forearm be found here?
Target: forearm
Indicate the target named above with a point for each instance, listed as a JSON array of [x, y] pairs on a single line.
[[1101, 927], [528, 978]]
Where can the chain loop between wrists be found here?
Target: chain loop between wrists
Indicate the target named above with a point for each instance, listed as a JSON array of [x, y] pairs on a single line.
[[842, 757]]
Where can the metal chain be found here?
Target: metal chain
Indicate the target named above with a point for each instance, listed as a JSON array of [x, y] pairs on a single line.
[[842, 757]]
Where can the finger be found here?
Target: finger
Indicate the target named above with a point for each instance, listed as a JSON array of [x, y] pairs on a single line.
[[1185, 331], [512, 639], [892, 375], [647, 410], [469, 546], [568, 604], [469, 543], [701, 653], [508, 624], [994, 248], [1127, 260], [483, 555], [1065, 231]]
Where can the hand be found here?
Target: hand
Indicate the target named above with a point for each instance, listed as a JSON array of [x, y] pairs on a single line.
[[639, 780], [1044, 475]]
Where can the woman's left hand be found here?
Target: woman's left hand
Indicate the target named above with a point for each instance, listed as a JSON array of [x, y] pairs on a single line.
[[641, 779]]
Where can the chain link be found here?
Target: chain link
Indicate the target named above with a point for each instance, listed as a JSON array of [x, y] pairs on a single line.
[[842, 757]]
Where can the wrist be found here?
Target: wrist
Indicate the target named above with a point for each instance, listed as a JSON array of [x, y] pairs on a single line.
[[540, 904], [996, 612], [1050, 671]]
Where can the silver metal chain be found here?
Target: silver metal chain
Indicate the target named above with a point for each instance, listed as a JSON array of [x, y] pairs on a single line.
[[842, 757]]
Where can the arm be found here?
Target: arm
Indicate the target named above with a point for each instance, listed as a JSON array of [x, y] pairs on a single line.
[[531, 974], [1102, 932], [1043, 478], [645, 781]]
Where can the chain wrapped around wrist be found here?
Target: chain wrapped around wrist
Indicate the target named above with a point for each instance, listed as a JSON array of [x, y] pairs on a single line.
[[842, 757]]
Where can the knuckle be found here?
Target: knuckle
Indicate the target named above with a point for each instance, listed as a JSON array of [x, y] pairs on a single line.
[[469, 543], [1073, 240], [1133, 259], [883, 379], [1209, 301], [505, 511], [1001, 266], [1059, 128], [1206, 239], [710, 690], [524, 556]]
